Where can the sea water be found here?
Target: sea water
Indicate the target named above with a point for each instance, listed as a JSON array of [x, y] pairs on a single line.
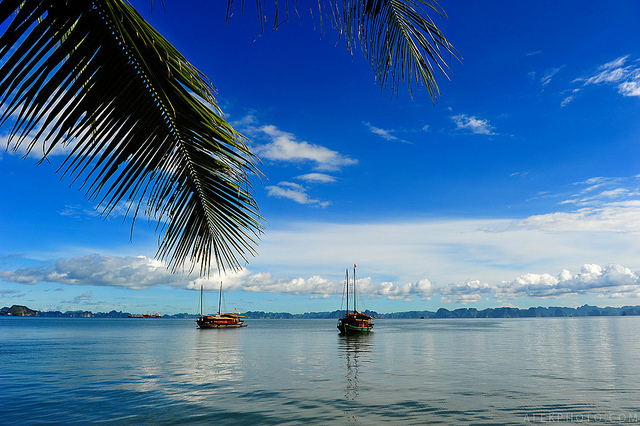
[[444, 371]]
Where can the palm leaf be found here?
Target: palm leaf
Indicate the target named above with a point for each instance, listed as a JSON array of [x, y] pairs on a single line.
[[398, 37], [142, 121], [401, 41]]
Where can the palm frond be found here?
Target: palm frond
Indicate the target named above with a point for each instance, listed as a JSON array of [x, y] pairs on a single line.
[[401, 41], [398, 37], [143, 122]]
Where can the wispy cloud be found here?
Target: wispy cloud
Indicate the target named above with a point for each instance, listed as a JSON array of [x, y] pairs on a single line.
[[612, 218], [388, 134], [83, 298], [474, 124], [392, 134], [549, 74], [566, 101], [11, 294], [601, 190], [385, 134], [79, 212], [619, 73], [602, 204]]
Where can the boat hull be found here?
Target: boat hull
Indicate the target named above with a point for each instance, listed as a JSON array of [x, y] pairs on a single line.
[[221, 320], [346, 328], [207, 325]]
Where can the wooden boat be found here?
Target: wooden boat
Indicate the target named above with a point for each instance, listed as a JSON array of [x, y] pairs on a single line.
[[354, 322], [221, 319]]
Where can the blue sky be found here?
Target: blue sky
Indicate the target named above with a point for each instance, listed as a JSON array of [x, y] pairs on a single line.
[[519, 187]]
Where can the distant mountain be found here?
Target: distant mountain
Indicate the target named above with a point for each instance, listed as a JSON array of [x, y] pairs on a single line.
[[533, 312], [19, 311], [582, 311]]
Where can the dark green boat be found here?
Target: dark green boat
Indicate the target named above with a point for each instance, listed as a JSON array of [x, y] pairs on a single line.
[[354, 322]]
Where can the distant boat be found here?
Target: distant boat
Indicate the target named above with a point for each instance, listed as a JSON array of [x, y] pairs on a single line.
[[354, 322], [221, 319]]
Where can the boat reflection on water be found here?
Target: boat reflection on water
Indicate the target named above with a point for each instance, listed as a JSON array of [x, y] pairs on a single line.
[[355, 348], [218, 359]]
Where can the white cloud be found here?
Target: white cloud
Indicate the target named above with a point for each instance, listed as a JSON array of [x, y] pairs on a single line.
[[317, 178], [459, 260], [609, 73], [385, 134], [625, 77], [630, 88], [78, 211], [466, 292], [614, 218], [37, 150], [602, 190], [285, 147], [604, 204], [83, 298], [423, 288], [264, 283], [611, 280], [295, 192], [247, 120], [96, 270], [566, 101], [546, 79], [474, 124], [133, 272], [388, 134]]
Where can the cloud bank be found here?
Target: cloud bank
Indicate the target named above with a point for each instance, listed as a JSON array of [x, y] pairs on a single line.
[[139, 273], [554, 255]]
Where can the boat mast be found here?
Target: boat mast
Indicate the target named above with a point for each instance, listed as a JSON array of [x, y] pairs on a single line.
[[347, 280], [201, 298], [354, 289], [220, 299]]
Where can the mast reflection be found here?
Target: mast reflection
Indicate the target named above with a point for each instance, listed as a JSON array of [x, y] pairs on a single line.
[[355, 348]]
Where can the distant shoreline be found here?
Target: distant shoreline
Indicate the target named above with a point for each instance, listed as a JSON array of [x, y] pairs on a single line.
[[533, 312]]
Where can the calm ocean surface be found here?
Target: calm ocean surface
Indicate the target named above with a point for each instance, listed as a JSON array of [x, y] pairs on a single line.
[[445, 371]]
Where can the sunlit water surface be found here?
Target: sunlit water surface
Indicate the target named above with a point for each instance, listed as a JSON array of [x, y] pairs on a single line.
[[164, 371]]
